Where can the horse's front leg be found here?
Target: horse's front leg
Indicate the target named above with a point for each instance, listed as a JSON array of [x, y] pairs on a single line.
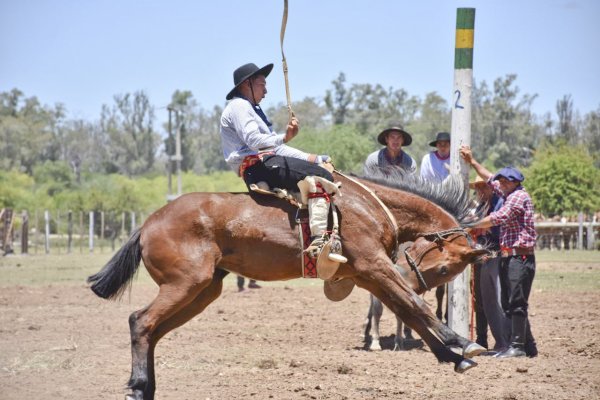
[[452, 339], [380, 278]]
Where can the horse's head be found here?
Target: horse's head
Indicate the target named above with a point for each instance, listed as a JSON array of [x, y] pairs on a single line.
[[439, 258]]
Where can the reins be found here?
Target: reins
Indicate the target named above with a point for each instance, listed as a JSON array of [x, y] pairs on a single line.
[[436, 236], [283, 60], [387, 211]]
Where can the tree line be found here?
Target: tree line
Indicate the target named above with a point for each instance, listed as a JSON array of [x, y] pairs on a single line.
[[119, 161]]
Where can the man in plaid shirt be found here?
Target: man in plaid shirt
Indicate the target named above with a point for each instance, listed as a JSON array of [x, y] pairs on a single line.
[[517, 242]]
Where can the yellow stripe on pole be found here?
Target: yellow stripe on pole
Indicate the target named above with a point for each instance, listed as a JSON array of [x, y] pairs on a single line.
[[464, 38]]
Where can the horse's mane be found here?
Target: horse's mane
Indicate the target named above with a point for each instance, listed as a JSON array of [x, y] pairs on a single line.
[[451, 195]]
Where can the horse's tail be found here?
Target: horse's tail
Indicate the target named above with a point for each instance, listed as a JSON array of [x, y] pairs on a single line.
[[111, 281]]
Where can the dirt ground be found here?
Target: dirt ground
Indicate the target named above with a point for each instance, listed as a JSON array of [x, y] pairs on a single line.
[[283, 341]]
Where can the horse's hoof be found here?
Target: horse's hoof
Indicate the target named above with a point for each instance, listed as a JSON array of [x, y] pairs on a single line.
[[375, 347], [464, 365], [137, 395], [473, 350]]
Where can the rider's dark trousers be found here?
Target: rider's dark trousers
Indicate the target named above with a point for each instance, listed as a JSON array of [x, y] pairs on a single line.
[[283, 172]]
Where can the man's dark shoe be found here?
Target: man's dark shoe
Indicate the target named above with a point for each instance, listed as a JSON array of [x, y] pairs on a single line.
[[512, 352], [531, 349], [254, 285], [482, 342]]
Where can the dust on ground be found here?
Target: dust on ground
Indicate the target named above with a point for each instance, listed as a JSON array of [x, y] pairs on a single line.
[[278, 342]]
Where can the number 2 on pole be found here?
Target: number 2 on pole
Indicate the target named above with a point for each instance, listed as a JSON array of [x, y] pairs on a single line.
[[456, 104]]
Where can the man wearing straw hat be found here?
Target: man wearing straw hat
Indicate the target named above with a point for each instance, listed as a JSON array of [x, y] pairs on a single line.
[[517, 243], [391, 156], [258, 154]]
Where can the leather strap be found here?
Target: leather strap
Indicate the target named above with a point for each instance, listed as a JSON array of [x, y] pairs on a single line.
[[385, 208], [517, 251], [284, 62]]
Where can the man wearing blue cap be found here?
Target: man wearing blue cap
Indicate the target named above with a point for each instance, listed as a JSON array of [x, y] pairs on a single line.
[[517, 242], [259, 154]]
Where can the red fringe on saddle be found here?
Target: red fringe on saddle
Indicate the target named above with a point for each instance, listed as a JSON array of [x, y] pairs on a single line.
[[249, 161], [309, 265]]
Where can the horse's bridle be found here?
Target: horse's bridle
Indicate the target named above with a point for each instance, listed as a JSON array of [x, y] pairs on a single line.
[[436, 237]]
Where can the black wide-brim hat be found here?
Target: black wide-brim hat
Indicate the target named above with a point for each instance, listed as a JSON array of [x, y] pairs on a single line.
[[397, 128], [440, 136], [247, 71]]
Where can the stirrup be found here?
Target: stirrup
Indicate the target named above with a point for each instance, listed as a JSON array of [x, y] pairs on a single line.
[[316, 246], [335, 251]]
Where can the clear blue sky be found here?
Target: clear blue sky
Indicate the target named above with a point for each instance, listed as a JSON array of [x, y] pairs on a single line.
[[82, 53]]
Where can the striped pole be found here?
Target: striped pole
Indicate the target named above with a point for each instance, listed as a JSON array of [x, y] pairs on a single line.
[[458, 304]]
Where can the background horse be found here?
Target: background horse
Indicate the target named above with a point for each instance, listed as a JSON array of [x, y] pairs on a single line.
[[189, 246]]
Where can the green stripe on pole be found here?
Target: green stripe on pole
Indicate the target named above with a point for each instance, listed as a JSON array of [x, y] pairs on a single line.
[[463, 58], [465, 22], [465, 18]]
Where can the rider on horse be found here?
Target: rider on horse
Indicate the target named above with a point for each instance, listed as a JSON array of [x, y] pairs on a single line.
[[258, 154]]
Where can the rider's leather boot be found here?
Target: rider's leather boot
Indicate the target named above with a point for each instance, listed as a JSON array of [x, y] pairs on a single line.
[[318, 211]]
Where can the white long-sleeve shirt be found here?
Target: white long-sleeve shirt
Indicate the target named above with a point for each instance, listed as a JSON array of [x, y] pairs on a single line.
[[433, 167], [244, 133]]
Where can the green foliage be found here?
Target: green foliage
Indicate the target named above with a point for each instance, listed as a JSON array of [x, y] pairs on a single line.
[[112, 193], [53, 177], [222, 181], [16, 190], [118, 162], [26, 131], [343, 143], [504, 129], [129, 134], [563, 180]]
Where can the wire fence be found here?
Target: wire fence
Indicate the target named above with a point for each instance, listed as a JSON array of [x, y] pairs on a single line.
[[66, 232]]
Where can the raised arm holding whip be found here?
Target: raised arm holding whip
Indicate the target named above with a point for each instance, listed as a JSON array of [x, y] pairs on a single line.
[[261, 156]]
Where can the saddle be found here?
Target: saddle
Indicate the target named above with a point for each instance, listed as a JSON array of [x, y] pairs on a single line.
[[312, 267]]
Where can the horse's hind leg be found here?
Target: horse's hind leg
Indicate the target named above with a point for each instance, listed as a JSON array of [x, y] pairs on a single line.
[[206, 297], [172, 297]]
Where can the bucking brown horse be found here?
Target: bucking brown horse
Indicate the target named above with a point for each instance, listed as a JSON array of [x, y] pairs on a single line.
[[189, 246]]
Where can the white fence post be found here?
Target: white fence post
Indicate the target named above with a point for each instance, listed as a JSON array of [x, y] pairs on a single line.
[[91, 232], [47, 231]]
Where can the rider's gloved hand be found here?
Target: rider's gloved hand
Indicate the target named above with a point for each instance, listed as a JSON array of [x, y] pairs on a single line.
[[322, 159]]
